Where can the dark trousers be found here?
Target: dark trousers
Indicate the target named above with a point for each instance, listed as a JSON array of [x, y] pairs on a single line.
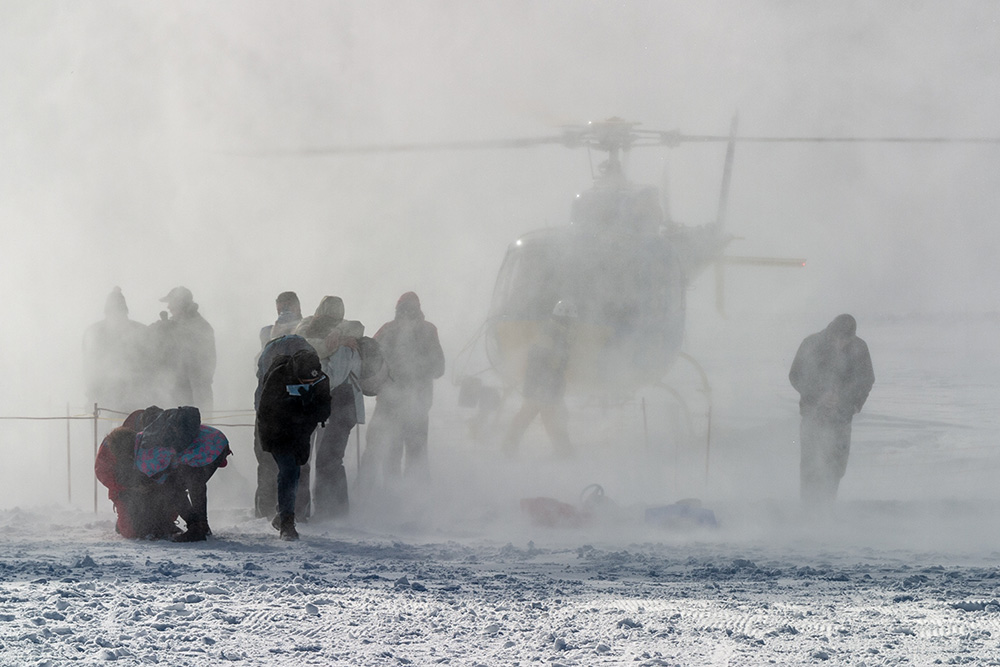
[[266, 496], [192, 491], [288, 481], [330, 496], [150, 510], [825, 445]]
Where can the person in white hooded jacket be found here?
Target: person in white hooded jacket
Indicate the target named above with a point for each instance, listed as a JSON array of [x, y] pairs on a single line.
[[336, 342]]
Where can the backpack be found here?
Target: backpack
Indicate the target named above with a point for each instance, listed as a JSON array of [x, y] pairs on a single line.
[[374, 368], [290, 409], [298, 396], [283, 346]]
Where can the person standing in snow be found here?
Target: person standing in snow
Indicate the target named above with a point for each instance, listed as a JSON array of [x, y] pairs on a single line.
[[336, 343], [183, 348], [295, 397], [545, 383], [265, 498], [832, 371], [112, 357], [399, 425], [289, 316]]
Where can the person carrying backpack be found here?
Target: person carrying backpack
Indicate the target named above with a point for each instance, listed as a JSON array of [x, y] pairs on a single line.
[[265, 496], [145, 509], [179, 453], [294, 398], [157, 466]]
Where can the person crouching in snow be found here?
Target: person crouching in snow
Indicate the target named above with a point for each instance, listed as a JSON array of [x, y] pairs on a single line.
[[145, 509], [294, 399], [175, 450]]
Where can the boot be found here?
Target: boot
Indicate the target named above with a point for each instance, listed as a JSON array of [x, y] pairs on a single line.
[[287, 528], [197, 531]]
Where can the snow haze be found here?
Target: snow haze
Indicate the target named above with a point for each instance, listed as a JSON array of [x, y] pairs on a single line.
[[151, 145]]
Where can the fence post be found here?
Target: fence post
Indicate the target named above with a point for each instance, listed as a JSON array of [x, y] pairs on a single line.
[[69, 468], [645, 424], [96, 413]]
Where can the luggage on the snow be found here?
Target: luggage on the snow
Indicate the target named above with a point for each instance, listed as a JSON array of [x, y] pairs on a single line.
[[684, 514]]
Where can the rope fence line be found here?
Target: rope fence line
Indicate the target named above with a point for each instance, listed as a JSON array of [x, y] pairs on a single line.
[[902, 457], [111, 416], [67, 417]]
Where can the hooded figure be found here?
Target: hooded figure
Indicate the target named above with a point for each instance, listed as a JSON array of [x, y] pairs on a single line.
[[295, 397], [329, 313], [113, 357], [832, 371], [399, 425], [289, 317], [335, 342], [183, 349], [265, 499]]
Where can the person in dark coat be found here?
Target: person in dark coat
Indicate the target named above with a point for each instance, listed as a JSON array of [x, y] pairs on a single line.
[[113, 358], [545, 383], [295, 397], [832, 371], [399, 425], [183, 353], [265, 498]]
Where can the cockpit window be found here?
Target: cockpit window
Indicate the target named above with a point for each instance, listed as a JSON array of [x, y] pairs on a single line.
[[531, 281]]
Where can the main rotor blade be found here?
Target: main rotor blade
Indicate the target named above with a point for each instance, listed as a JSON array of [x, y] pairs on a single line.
[[425, 147], [681, 138], [583, 137]]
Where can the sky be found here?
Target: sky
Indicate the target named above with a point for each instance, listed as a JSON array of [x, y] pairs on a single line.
[[148, 145]]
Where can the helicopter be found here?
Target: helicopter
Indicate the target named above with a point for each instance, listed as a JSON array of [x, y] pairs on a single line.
[[621, 260]]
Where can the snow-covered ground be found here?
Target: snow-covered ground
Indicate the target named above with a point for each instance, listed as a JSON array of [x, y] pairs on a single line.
[[73, 592], [903, 570]]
